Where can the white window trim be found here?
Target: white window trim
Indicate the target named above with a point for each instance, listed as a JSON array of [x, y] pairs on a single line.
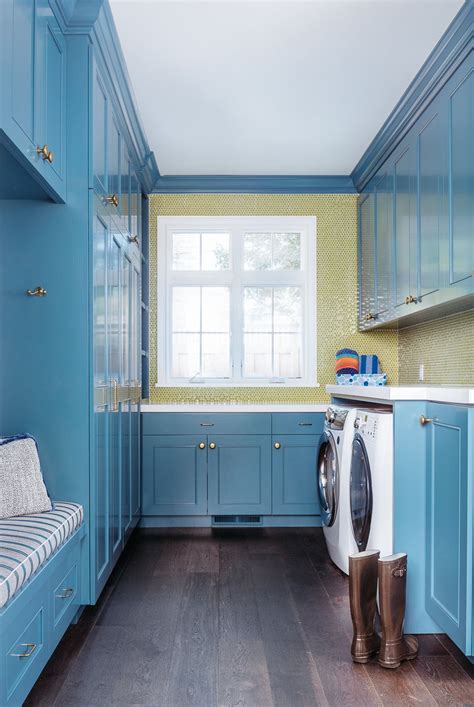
[[306, 225]]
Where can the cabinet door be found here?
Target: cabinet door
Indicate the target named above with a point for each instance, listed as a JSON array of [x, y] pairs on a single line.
[[405, 177], [449, 535], [135, 383], [384, 244], [100, 113], [367, 259], [51, 94], [114, 284], [294, 465], [461, 183], [125, 395], [174, 475], [239, 474], [20, 120], [101, 487]]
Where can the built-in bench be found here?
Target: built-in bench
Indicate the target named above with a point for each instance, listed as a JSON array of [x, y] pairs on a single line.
[[39, 592]]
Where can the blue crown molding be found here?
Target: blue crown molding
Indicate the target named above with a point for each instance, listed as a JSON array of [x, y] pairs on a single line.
[[76, 16], [226, 184], [448, 54]]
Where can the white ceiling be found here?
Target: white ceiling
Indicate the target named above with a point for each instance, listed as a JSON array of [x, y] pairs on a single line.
[[265, 87]]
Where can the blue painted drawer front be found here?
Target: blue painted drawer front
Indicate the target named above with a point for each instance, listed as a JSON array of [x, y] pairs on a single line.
[[294, 464], [449, 523], [25, 650], [200, 423], [293, 423], [174, 475], [34, 97], [65, 596], [239, 474]]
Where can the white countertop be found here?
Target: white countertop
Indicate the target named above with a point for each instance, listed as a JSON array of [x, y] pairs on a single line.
[[457, 394], [235, 407]]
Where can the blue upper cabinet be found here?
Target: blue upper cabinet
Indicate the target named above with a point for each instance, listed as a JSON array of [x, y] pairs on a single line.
[[416, 215], [461, 173], [33, 104]]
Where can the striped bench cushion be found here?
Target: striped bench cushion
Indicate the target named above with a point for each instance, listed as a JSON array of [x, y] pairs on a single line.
[[26, 542]]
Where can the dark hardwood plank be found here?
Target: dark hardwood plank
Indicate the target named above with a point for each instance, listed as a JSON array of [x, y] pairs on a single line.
[[294, 678], [242, 677], [446, 680], [454, 651], [193, 671], [402, 686], [238, 613]]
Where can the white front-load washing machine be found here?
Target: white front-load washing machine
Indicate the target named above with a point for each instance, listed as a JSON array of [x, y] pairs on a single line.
[[333, 471], [371, 482]]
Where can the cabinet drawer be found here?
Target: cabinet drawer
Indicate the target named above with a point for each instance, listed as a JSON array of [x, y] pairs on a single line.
[[65, 598], [206, 424], [25, 651], [293, 423]]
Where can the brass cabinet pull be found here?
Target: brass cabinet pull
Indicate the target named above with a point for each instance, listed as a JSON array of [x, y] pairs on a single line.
[[425, 420], [410, 299], [212, 445], [134, 239], [45, 154], [114, 394], [67, 593], [305, 424], [202, 445], [277, 445], [30, 649], [112, 199], [37, 292], [207, 424], [368, 317]]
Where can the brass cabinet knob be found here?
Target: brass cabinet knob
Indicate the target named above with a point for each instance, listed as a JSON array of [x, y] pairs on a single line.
[[112, 199], [37, 292], [212, 445], [425, 420], [368, 317], [277, 445], [45, 154], [133, 239], [202, 445], [410, 299]]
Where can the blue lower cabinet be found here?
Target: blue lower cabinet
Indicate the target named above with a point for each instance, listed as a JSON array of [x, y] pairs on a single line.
[[294, 460], [239, 474], [174, 475], [449, 523]]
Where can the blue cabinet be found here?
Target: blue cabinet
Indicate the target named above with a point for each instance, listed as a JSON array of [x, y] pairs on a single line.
[[239, 475], [175, 475], [416, 215], [33, 103], [449, 523], [294, 462]]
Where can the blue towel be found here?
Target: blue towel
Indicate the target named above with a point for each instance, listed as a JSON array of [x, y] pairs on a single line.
[[369, 364]]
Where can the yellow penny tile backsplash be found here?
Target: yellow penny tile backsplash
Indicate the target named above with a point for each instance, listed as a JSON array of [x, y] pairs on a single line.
[[445, 348], [336, 269]]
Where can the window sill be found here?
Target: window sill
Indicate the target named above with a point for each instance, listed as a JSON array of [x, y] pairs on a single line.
[[253, 384]]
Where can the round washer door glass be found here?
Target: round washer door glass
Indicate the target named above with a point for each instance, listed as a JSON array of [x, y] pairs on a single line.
[[361, 493], [328, 481]]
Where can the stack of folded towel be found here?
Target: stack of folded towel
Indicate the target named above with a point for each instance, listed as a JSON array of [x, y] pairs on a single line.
[[352, 369]]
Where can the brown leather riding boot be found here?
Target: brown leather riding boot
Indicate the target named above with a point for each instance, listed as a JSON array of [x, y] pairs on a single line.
[[363, 601], [394, 646]]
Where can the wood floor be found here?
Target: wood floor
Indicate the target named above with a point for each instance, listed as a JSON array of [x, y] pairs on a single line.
[[244, 618]]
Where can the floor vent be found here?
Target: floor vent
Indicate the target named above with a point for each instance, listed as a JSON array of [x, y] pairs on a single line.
[[237, 520]]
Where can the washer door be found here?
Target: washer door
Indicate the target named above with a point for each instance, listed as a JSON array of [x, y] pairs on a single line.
[[328, 480], [361, 493]]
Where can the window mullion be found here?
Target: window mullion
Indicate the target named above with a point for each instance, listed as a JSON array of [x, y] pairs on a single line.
[[236, 307]]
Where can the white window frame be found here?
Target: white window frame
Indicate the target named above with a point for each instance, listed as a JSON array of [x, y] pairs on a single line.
[[236, 280]]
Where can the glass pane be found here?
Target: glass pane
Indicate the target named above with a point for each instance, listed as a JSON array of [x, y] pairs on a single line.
[[186, 309], [257, 251], [185, 355], [361, 494], [286, 251], [215, 251], [186, 251], [287, 313], [126, 334], [287, 355], [258, 355], [258, 309], [215, 309], [215, 356]]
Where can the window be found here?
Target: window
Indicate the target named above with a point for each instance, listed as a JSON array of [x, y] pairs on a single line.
[[236, 301]]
